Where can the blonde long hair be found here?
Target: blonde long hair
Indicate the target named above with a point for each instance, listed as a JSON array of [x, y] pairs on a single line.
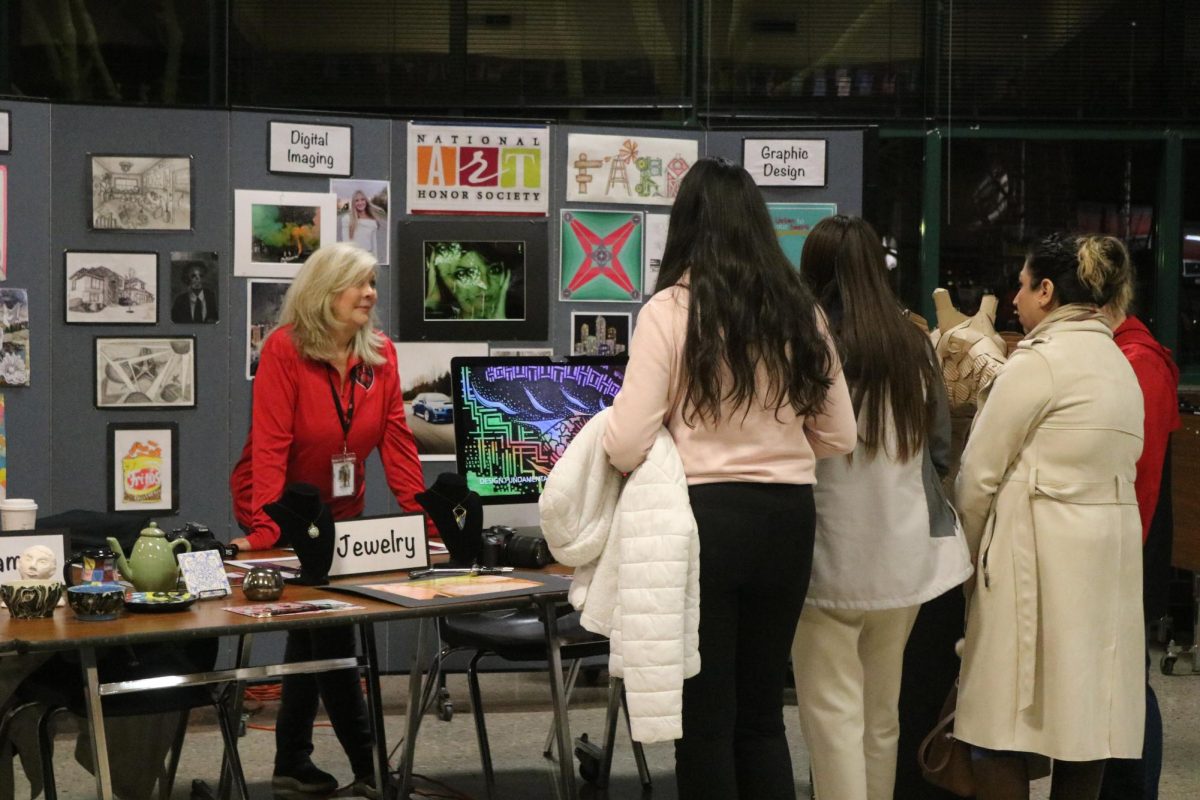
[[371, 210], [308, 304]]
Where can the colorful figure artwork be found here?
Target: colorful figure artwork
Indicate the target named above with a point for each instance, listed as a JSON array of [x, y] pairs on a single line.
[[792, 223], [14, 337], [3, 452], [626, 169], [601, 254]]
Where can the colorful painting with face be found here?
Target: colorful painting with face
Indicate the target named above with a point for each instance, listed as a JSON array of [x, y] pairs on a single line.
[[474, 280]]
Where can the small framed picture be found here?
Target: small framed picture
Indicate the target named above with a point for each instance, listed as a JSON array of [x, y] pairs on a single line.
[[141, 193], [143, 466], [362, 209], [145, 372], [110, 288], [5, 132], [194, 298], [264, 302], [600, 334], [274, 232]]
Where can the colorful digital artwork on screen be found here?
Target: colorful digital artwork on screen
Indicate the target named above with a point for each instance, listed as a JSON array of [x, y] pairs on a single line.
[[516, 420]]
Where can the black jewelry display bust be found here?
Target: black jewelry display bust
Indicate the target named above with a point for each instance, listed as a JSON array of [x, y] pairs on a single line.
[[299, 513], [458, 514]]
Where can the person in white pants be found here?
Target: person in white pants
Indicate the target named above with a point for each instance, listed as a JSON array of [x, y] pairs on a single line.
[[887, 539]]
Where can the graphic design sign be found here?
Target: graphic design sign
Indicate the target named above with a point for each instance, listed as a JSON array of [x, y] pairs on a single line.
[[478, 169], [601, 254], [785, 162], [792, 223], [311, 149], [626, 169]]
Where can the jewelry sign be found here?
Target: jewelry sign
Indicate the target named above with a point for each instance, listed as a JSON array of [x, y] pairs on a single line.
[[478, 169], [785, 162], [379, 544], [311, 149]]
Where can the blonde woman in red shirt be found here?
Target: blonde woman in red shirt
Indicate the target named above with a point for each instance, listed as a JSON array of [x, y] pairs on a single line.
[[326, 394]]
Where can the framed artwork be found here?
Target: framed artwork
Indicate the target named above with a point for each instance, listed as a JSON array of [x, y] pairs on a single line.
[[110, 288], [14, 337], [194, 288], [274, 232], [472, 280], [145, 371], [600, 255], [362, 215], [3, 223], [141, 193], [264, 301], [425, 387], [5, 132], [3, 449], [143, 466], [792, 223], [600, 334], [616, 168]]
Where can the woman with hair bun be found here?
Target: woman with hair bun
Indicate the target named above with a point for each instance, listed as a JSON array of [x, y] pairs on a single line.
[[1053, 659]]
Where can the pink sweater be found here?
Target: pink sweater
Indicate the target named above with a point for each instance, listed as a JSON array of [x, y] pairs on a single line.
[[756, 448]]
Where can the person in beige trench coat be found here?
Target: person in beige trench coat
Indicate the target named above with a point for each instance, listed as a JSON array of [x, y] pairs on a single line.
[[1053, 659]]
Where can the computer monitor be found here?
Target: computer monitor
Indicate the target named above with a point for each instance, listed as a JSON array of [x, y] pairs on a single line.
[[514, 417]]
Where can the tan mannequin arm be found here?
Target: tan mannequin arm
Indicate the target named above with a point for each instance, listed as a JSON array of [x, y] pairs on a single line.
[[947, 315]]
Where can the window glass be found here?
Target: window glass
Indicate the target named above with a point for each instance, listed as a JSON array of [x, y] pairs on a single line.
[[1189, 280], [1002, 194], [894, 209]]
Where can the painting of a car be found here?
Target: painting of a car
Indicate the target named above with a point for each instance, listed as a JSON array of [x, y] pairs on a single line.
[[433, 407]]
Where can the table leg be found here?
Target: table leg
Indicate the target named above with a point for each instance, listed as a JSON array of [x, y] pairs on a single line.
[[416, 674], [375, 708], [566, 757], [245, 647], [95, 715]]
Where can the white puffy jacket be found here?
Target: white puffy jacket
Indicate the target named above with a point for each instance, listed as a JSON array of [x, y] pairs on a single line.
[[636, 554]]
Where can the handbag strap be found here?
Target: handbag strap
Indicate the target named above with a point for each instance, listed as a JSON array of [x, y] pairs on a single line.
[[944, 729]]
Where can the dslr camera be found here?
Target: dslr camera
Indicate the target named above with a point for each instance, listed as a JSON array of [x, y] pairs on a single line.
[[202, 538], [504, 547]]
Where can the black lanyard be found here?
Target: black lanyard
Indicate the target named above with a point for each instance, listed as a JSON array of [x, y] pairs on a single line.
[[345, 417]]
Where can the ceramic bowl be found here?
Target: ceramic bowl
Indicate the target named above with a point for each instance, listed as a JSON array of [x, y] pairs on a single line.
[[263, 584], [96, 601], [31, 599]]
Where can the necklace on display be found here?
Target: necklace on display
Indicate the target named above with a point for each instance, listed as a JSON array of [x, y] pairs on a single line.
[[459, 510], [313, 531]]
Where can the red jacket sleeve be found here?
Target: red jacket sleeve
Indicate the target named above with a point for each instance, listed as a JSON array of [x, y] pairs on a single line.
[[1159, 399], [398, 448], [273, 409]]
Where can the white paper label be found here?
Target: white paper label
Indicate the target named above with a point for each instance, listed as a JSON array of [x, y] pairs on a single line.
[[785, 162], [310, 149], [378, 544]]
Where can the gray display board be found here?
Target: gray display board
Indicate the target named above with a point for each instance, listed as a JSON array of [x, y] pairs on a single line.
[[57, 435]]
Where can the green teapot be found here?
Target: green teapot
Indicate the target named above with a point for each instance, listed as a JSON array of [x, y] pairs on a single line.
[[151, 567]]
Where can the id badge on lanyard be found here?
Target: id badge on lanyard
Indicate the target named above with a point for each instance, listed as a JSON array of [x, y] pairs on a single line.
[[344, 466], [343, 471]]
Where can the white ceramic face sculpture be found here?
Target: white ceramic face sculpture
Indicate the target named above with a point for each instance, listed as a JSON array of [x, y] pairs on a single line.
[[38, 563]]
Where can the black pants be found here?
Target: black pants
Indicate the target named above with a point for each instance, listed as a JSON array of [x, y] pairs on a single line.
[[756, 545], [339, 691]]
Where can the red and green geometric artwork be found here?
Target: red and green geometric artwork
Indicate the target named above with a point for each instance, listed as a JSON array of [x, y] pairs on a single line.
[[601, 255]]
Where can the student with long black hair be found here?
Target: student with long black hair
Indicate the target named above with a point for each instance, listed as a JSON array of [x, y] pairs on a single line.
[[887, 538], [733, 357]]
